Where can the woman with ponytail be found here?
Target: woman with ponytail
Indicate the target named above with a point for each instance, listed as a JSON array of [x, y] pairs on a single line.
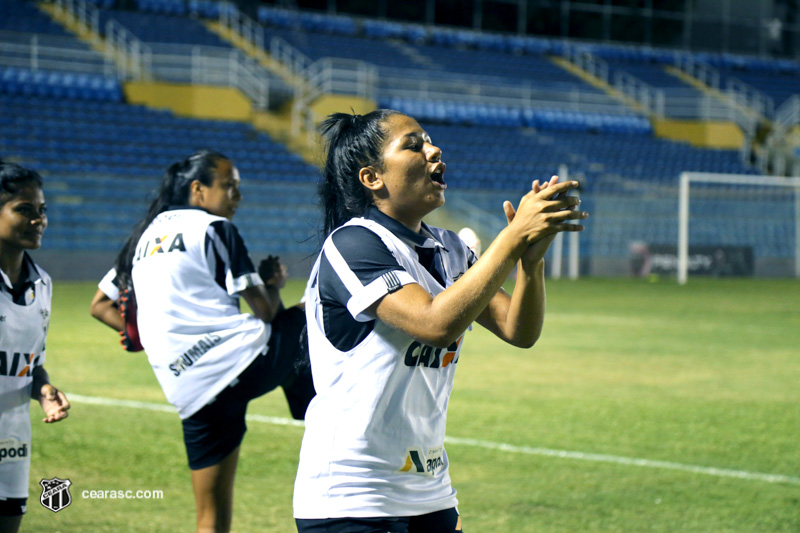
[[387, 305], [188, 266]]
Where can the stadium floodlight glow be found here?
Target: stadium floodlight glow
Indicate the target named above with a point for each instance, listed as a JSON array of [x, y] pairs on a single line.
[[687, 178]]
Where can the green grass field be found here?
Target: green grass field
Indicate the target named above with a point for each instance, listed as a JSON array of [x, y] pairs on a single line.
[[700, 383]]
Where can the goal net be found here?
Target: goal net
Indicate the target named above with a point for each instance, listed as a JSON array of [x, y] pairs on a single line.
[[731, 224]]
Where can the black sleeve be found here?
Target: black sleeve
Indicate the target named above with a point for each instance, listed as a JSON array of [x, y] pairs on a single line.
[[365, 253], [228, 258], [356, 269]]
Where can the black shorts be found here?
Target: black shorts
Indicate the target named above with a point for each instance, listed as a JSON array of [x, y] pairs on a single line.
[[439, 522], [214, 431], [13, 506]]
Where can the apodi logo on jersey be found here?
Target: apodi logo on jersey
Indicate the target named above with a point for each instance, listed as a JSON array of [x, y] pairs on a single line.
[[13, 450], [427, 464]]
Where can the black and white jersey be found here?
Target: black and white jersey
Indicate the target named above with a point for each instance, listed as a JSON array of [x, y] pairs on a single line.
[[374, 439], [188, 270], [24, 320]]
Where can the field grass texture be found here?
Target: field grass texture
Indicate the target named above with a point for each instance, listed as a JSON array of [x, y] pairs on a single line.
[[643, 407]]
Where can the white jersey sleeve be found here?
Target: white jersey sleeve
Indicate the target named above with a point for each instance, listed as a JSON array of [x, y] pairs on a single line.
[[107, 285]]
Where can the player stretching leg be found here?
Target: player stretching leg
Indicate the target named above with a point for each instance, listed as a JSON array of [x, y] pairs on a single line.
[[188, 266]]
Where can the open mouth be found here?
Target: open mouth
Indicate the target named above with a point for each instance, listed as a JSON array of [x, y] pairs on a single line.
[[438, 174]]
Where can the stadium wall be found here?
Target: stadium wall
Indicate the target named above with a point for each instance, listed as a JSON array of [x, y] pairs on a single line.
[[709, 134], [333, 103], [196, 101]]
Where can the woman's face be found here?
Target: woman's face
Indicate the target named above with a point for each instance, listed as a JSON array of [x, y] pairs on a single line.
[[222, 197], [412, 173], [23, 219]]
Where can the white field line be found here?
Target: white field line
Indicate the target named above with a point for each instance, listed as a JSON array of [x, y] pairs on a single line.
[[489, 445]]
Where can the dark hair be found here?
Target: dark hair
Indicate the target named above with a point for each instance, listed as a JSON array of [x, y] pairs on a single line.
[[14, 178], [174, 190], [352, 142]]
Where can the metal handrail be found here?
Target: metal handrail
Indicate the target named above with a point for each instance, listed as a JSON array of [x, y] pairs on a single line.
[[248, 29], [750, 97], [209, 65], [748, 103], [707, 74], [651, 100], [290, 57], [421, 85], [775, 155], [587, 62], [132, 56], [84, 15], [46, 52]]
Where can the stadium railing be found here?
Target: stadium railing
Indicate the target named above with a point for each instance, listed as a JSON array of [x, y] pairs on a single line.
[[85, 16], [206, 65], [782, 152], [137, 60], [53, 53]]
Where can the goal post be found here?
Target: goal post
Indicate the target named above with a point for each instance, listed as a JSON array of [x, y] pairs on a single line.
[[573, 254], [782, 201]]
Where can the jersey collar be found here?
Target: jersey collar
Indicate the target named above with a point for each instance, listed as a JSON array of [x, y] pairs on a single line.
[[179, 207], [423, 239], [28, 267]]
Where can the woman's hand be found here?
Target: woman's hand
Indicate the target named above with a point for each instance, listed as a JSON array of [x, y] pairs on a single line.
[[54, 403], [542, 214], [273, 272]]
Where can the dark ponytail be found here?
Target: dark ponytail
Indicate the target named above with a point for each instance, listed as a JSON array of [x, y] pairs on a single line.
[[174, 191], [352, 142], [14, 178]]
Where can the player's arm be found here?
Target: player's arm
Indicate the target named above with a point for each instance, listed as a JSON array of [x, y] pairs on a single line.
[[264, 301], [106, 311], [53, 401], [263, 296], [518, 319], [440, 320]]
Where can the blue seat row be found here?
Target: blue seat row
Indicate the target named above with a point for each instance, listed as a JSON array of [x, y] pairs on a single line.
[[492, 115], [384, 29], [413, 33], [165, 7], [172, 28], [103, 4], [24, 17], [15, 81], [313, 22]]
